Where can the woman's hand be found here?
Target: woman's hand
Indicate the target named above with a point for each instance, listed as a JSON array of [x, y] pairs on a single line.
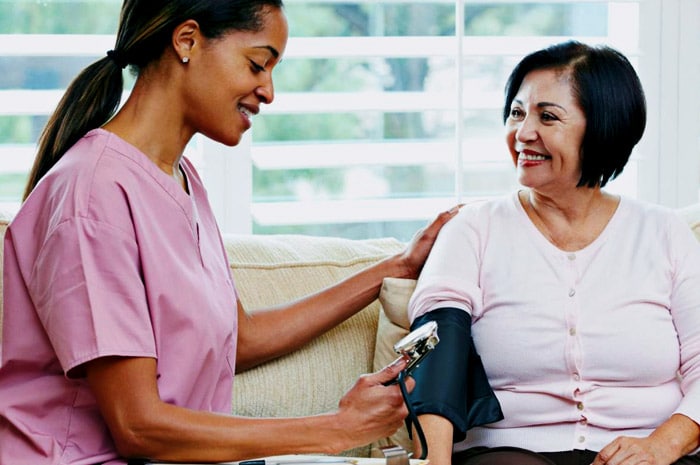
[[418, 249], [371, 410], [634, 451], [676, 437]]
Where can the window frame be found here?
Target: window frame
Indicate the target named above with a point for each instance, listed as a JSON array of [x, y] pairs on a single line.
[[668, 174]]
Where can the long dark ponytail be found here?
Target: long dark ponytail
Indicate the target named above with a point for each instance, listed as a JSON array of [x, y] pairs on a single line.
[[90, 100], [144, 33]]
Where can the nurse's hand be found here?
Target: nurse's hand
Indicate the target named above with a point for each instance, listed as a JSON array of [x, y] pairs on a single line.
[[370, 410], [415, 254]]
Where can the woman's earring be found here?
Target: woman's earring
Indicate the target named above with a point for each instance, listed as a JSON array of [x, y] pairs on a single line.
[[185, 60]]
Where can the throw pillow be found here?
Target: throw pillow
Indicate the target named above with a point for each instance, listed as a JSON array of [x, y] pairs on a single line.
[[393, 324]]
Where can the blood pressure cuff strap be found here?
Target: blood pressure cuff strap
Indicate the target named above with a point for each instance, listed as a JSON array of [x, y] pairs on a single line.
[[451, 381]]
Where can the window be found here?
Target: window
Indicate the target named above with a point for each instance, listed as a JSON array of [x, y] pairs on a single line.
[[43, 45], [382, 116]]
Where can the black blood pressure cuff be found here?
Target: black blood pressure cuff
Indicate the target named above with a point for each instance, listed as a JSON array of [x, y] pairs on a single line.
[[451, 381]]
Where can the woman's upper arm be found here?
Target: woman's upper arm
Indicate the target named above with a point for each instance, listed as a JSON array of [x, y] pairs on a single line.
[[245, 330], [127, 395]]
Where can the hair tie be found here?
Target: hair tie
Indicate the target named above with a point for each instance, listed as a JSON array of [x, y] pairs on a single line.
[[117, 58]]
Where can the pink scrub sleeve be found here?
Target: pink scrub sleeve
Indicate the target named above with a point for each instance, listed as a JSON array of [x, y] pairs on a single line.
[[87, 265]]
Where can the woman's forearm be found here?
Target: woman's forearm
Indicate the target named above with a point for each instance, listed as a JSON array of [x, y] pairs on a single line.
[[142, 425], [679, 435], [267, 334], [174, 434], [438, 437]]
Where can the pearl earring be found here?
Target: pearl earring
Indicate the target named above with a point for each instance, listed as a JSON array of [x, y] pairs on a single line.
[[185, 60]]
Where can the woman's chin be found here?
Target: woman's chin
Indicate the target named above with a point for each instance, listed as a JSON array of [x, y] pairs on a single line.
[[230, 138]]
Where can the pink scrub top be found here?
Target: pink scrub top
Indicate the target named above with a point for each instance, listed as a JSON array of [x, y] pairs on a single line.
[[109, 256]]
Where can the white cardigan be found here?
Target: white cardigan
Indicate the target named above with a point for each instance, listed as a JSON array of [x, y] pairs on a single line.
[[579, 347]]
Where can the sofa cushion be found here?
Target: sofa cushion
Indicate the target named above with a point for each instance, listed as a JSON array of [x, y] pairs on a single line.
[[270, 270], [691, 215], [393, 324]]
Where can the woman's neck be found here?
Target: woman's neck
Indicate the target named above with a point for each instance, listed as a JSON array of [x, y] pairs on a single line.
[[159, 134], [573, 222]]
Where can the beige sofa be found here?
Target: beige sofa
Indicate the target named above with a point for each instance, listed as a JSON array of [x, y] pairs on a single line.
[[274, 269]]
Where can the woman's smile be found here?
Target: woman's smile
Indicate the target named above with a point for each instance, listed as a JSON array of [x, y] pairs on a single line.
[[531, 158]]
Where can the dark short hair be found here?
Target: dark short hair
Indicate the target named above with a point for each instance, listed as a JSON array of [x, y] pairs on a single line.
[[610, 94]]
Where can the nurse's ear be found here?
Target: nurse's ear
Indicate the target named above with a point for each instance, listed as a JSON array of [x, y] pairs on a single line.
[[186, 40]]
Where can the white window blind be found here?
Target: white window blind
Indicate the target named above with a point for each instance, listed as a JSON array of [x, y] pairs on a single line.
[[387, 112]]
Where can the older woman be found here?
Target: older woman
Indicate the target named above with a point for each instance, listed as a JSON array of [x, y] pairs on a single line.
[[584, 306]]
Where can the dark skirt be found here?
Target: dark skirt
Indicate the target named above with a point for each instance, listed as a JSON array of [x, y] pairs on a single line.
[[517, 456]]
